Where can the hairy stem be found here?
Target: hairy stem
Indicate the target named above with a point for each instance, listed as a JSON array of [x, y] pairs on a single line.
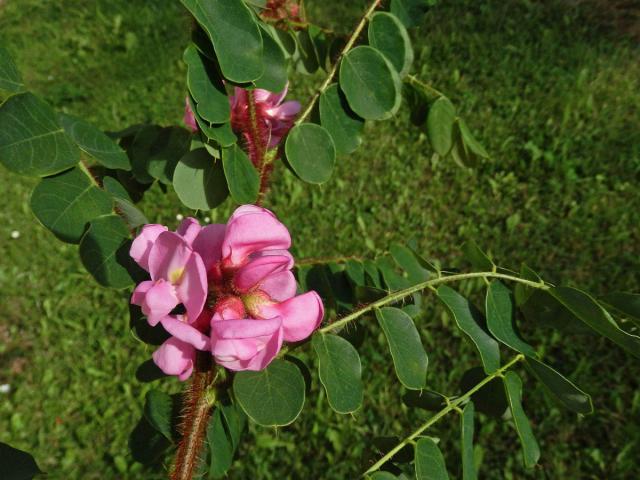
[[452, 405], [332, 73], [400, 294]]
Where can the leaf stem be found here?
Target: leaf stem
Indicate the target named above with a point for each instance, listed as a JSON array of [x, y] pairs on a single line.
[[415, 81], [400, 294], [453, 405], [334, 69]]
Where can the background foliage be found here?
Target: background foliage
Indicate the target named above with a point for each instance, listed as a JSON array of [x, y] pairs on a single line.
[[553, 96]]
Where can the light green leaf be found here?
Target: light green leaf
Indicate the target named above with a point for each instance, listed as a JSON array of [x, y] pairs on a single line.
[[310, 152], [530, 448], [469, 320], [273, 396], [388, 35], [344, 126], [95, 143], [124, 206], [32, 142], [429, 461], [10, 79], [370, 83], [67, 202], [440, 122], [158, 409], [409, 357], [242, 177], [340, 372], [199, 180], [206, 87], [499, 308], [472, 145]]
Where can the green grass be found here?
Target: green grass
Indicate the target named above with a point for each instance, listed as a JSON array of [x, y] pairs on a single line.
[[556, 101]]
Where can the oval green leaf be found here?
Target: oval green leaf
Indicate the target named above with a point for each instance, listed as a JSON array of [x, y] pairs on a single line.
[[499, 308], [440, 120], [410, 12], [409, 357], [490, 399], [32, 142], [478, 258], [158, 408], [472, 145], [530, 448], [242, 177], [310, 152], [67, 202], [10, 79], [466, 442], [199, 180], [429, 461], [410, 263], [206, 87], [340, 372], [370, 83], [388, 35], [274, 78], [470, 321], [344, 126], [273, 396]]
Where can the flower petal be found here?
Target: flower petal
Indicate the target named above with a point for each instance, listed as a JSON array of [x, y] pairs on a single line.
[[189, 229], [208, 244], [192, 289], [158, 301], [301, 315], [175, 357], [137, 297], [279, 286], [259, 268], [141, 245], [186, 333], [168, 257]]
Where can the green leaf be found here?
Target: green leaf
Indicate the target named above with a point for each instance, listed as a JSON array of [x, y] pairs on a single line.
[[466, 442], [306, 55], [166, 149], [310, 152], [344, 126], [340, 372], [410, 12], [410, 263], [355, 271], [222, 134], [10, 79], [409, 357], [440, 120], [94, 142], [199, 180], [223, 437], [32, 142], [242, 177], [470, 321], [586, 308], [561, 388], [628, 304], [530, 448], [104, 251], [490, 399], [67, 202], [158, 408], [273, 396], [274, 78], [522, 292], [370, 83], [499, 309], [16, 464], [424, 399], [383, 476], [206, 87], [544, 310], [388, 35], [392, 279], [124, 205], [473, 146], [429, 461], [235, 35]]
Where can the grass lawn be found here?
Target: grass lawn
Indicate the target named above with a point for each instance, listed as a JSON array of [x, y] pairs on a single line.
[[554, 97]]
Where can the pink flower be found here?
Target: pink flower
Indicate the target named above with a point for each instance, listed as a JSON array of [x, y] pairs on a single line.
[[189, 118]]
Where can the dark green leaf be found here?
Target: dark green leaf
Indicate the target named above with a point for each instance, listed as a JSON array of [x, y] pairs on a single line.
[[370, 83], [158, 409], [104, 251], [344, 126], [545, 311], [123, 203], [409, 262], [388, 35], [146, 444], [16, 464], [561, 388], [490, 399], [235, 35], [67, 202], [167, 148], [499, 309], [587, 309], [355, 271], [530, 448], [340, 372], [199, 180], [470, 321], [10, 79], [424, 399], [466, 442], [206, 87], [476, 256], [392, 279], [242, 177], [306, 56], [95, 143], [429, 461], [310, 152], [274, 77], [628, 304], [32, 142], [522, 292], [473, 146], [409, 357], [273, 396], [440, 122], [223, 437], [222, 134], [410, 12]]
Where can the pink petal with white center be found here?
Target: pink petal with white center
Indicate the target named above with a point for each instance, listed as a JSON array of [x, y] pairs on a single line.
[[186, 333], [279, 286], [159, 301], [175, 357], [189, 229], [208, 244], [168, 257], [300, 315], [192, 289], [258, 269], [141, 245]]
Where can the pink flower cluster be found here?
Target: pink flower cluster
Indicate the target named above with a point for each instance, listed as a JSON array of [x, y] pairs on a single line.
[[227, 289]]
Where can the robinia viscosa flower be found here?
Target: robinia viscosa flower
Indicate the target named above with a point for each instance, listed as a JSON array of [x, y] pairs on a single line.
[[227, 289]]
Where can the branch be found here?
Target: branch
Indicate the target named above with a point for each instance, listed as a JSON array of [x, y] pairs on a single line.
[[453, 405], [400, 294], [348, 46]]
